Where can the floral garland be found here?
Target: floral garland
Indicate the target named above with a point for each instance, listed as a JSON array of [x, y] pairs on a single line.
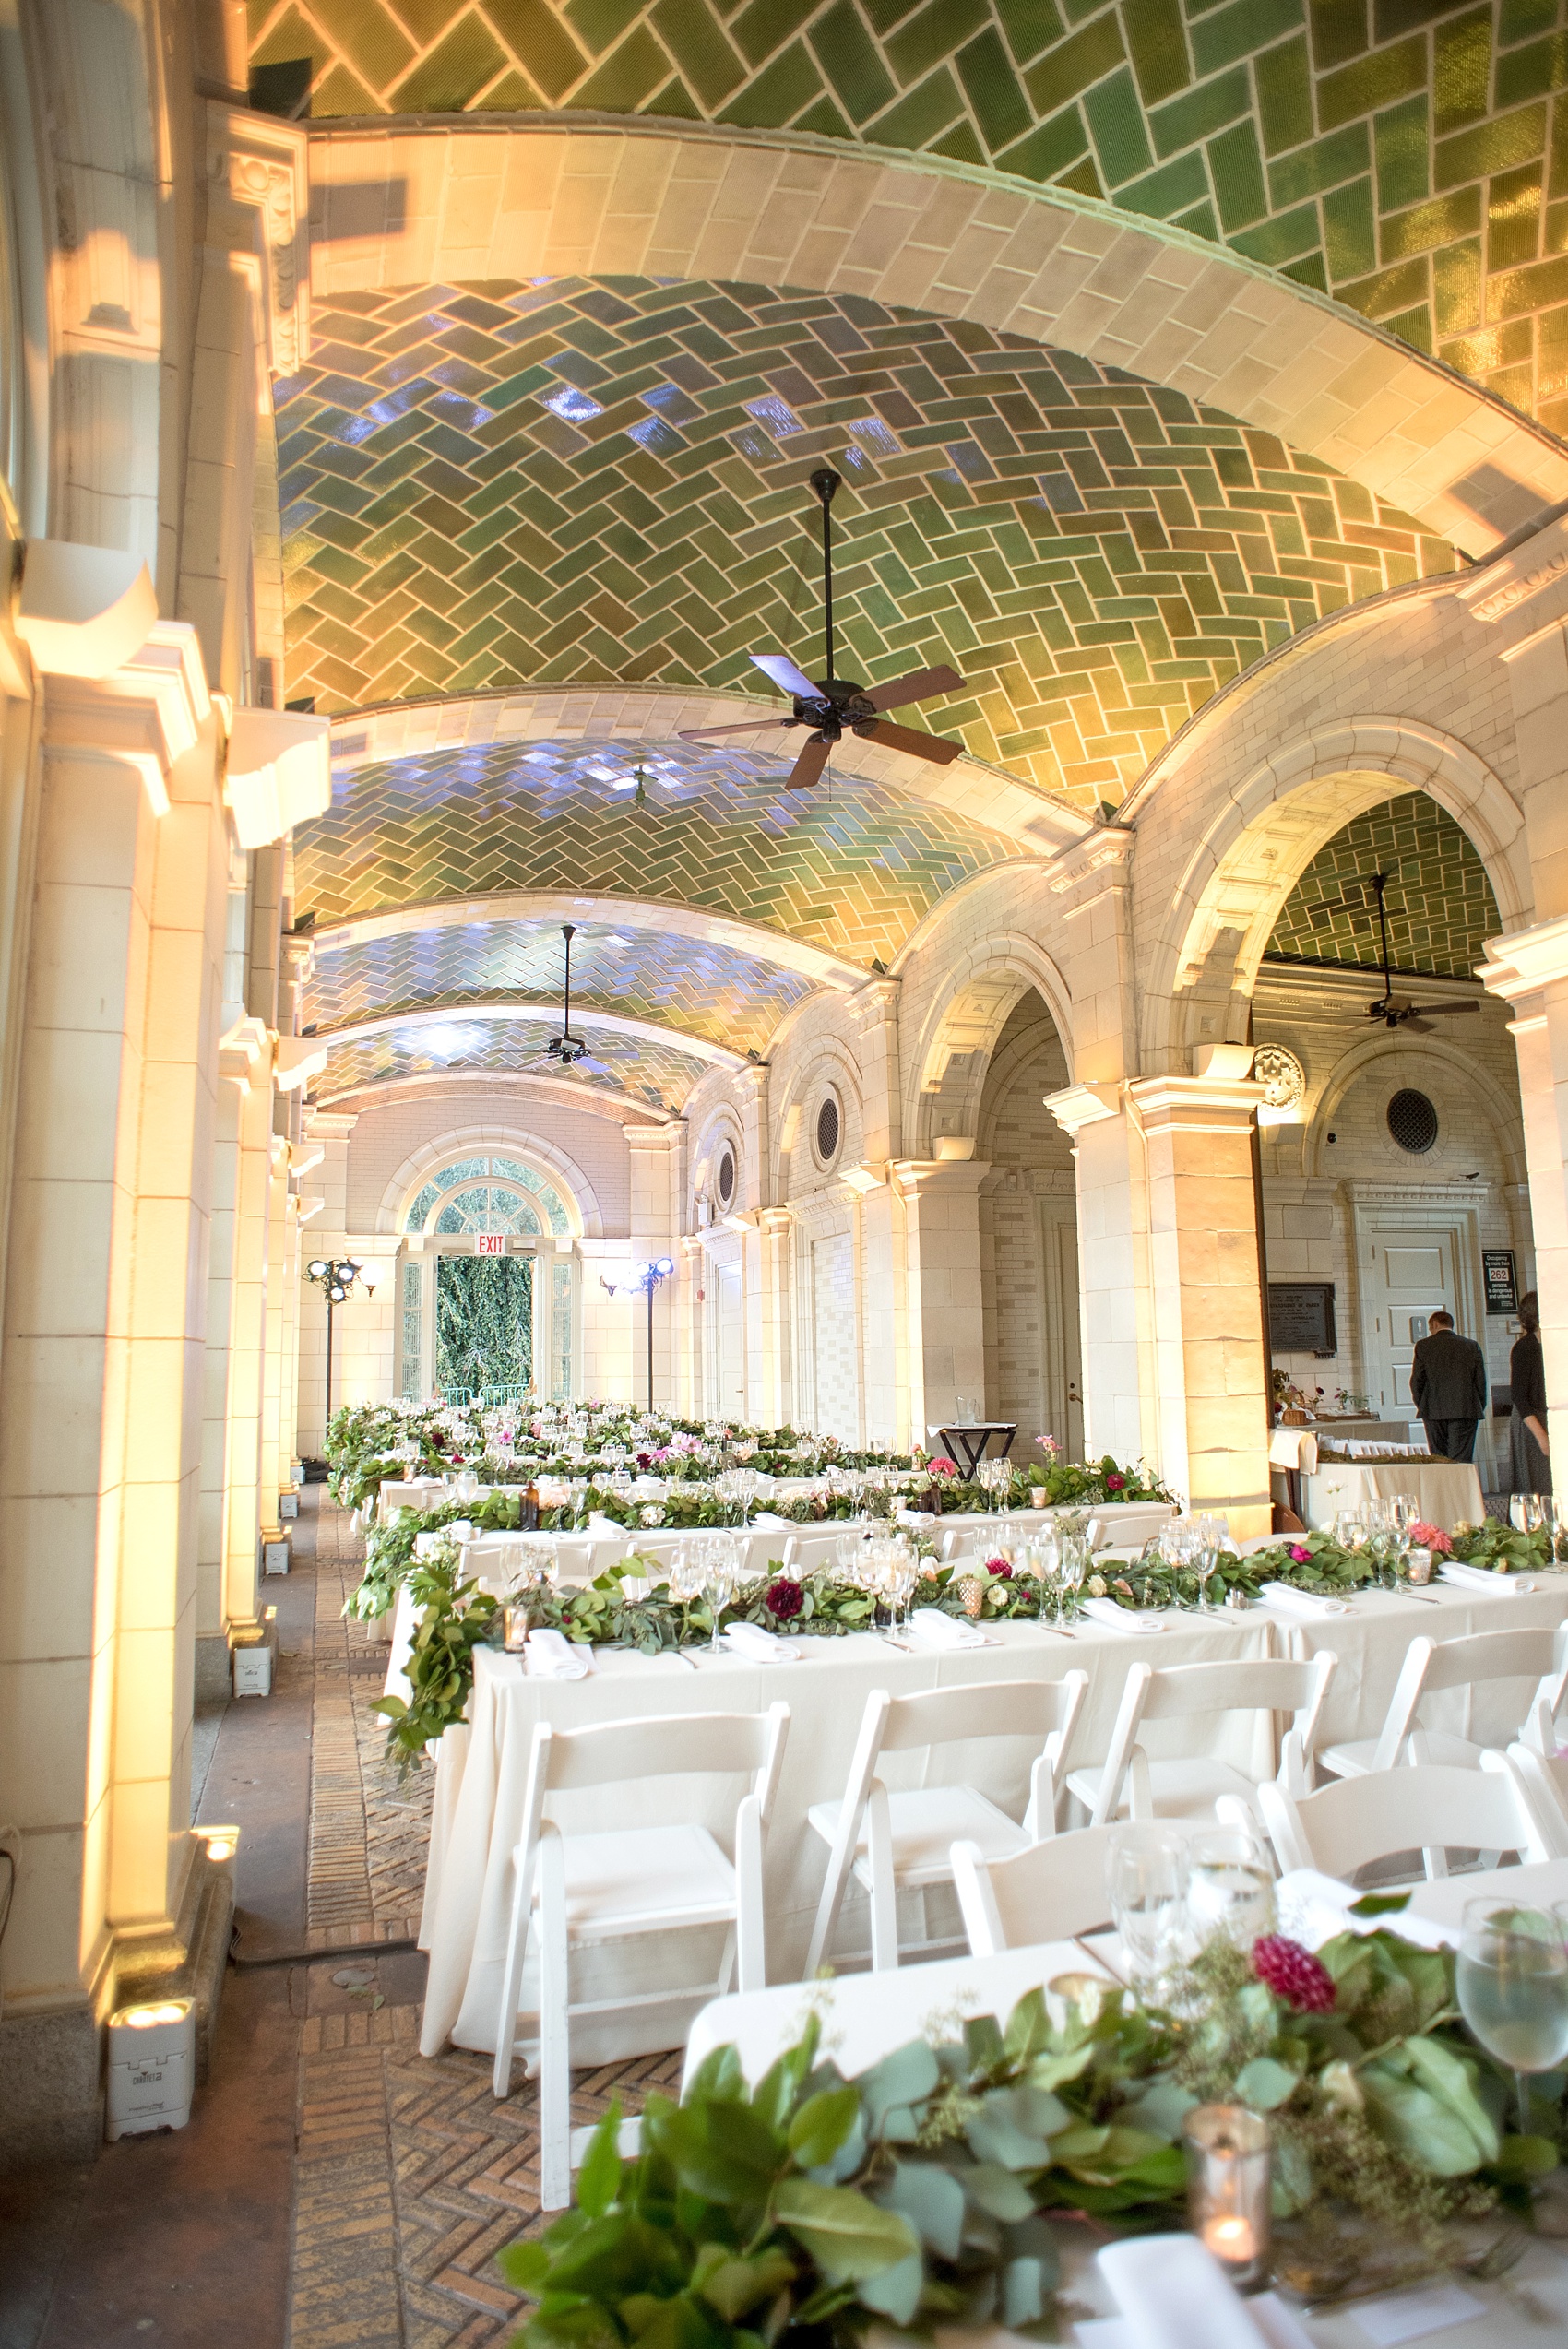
[[915, 2193]]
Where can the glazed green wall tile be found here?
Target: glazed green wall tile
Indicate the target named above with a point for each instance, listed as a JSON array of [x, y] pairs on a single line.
[[1438, 904], [1093, 553], [1164, 107]]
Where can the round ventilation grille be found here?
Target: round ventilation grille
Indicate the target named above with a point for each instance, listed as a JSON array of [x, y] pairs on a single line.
[[726, 1176], [827, 1130], [1413, 1121]]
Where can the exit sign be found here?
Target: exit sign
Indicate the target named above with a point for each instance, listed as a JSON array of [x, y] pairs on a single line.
[[490, 1243]]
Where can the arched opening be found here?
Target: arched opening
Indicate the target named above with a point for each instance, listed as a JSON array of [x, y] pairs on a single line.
[[488, 1290], [1391, 1158]]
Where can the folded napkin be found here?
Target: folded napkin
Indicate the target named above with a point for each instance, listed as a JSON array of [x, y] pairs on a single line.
[[460, 1531], [758, 1646], [600, 1524], [929, 1628], [767, 1521], [1291, 1601], [1121, 1618], [1481, 1578], [551, 1656], [1174, 2294], [917, 1517]]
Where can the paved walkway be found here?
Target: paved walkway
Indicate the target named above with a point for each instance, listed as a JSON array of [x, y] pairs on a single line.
[[334, 2190]]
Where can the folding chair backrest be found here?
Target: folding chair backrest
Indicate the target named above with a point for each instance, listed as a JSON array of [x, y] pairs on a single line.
[[1534, 1654], [662, 1747], [1041, 1709], [1178, 1691], [1048, 1893], [1353, 1822]]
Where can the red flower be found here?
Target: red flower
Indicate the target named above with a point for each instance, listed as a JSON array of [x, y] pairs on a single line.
[[1293, 1974], [645, 1459], [457, 1460], [1299, 1552], [1000, 1568], [1114, 1483], [785, 1598], [942, 1466]]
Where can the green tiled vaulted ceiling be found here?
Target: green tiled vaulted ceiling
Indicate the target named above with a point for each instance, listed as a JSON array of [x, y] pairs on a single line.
[[1410, 157], [849, 866], [659, 1074], [1440, 908], [493, 485], [697, 986]]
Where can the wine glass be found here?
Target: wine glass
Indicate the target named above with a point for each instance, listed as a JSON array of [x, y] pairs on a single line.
[[1511, 1982], [1146, 1880], [902, 1573], [719, 1575], [1230, 1887], [994, 1476], [1206, 1558], [1072, 1565]]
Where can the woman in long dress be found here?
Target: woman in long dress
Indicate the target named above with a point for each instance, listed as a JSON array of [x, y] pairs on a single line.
[[1530, 1450]]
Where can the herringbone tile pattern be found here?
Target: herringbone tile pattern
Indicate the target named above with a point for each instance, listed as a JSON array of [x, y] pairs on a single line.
[[659, 1074], [1411, 156], [1441, 908], [695, 985], [849, 866], [500, 484]]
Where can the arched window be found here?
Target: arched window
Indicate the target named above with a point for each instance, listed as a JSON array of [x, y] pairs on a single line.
[[454, 1199], [464, 1196]]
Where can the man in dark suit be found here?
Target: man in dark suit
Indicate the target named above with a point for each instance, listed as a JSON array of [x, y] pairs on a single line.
[[1448, 1388]]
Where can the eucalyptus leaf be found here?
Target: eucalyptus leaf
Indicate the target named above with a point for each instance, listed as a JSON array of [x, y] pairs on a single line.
[[1026, 2287], [896, 2292], [904, 2077], [1013, 2125], [1264, 2085], [929, 2197], [996, 2190]]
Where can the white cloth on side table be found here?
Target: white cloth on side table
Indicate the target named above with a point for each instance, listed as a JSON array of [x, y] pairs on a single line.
[[1447, 1492]]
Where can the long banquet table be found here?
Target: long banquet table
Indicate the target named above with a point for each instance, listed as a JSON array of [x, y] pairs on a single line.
[[481, 1768]]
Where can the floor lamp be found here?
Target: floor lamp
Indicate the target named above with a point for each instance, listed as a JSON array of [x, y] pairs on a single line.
[[642, 1281], [335, 1277]]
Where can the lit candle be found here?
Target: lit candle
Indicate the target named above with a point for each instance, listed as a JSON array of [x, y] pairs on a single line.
[[1230, 2164]]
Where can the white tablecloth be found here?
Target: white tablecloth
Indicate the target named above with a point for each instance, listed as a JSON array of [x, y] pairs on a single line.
[[481, 1768], [469, 1888], [1448, 1492]]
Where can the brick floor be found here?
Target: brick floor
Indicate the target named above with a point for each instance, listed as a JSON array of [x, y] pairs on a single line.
[[409, 2177]]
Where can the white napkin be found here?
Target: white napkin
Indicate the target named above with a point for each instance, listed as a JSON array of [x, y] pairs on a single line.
[[1121, 1618], [1174, 2294], [1481, 1578], [759, 1646], [1291, 1601], [767, 1521], [600, 1524], [920, 1518], [929, 1628], [550, 1655]]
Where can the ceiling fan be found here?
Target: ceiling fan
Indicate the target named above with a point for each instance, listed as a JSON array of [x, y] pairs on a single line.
[[834, 706], [566, 1050], [1399, 1010]]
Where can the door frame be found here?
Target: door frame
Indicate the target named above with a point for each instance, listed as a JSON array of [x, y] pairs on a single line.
[[1380, 1209]]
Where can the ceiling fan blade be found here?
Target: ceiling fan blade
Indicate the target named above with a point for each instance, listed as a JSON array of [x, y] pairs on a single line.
[[544, 1062], [1444, 1011], [935, 747], [785, 675], [917, 686], [808, 767], [595, 1068], [1415, 1026], [750, 726]]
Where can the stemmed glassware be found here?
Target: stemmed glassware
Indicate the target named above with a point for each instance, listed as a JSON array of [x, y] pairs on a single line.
[[1149, 1882], [736, 1488], [994, 1476], [1511, 1978], [1072, 1565], [1229, 1886], [720, 1567], [1526, 1512], [1208, 1538]]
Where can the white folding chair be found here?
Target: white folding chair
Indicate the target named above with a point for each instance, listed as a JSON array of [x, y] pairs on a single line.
[[1047, 1893], [1353, 1822], [586, 1887], [1189, 1787], [1538, 1655], [902, 1842]]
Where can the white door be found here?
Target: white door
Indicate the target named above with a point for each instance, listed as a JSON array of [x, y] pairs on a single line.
[[732, 1347], [1413, 1271], [836, 1401], [1062, 1368]]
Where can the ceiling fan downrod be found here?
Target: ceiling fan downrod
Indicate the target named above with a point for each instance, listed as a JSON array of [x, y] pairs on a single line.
[[827, 483]]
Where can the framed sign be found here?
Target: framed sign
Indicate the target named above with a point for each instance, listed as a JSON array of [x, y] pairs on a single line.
[[490, 1243], [1502, 1280], [1301, 1318]]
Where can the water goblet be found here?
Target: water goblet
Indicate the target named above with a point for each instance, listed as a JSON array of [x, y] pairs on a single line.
[[1073, 1564], [902, 1572], [1511, 1978], [1148, 1882], [1230, 1887], [1206, 1558], [718, 1578], [994, 1476]]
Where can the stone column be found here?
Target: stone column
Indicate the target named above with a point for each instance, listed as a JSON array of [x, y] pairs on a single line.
[[247, 1351], [879, 1223], [1115, 1330], [655, 1152], [1529, 969], [941, 1253], [773, 1403], [1210, 1366]]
